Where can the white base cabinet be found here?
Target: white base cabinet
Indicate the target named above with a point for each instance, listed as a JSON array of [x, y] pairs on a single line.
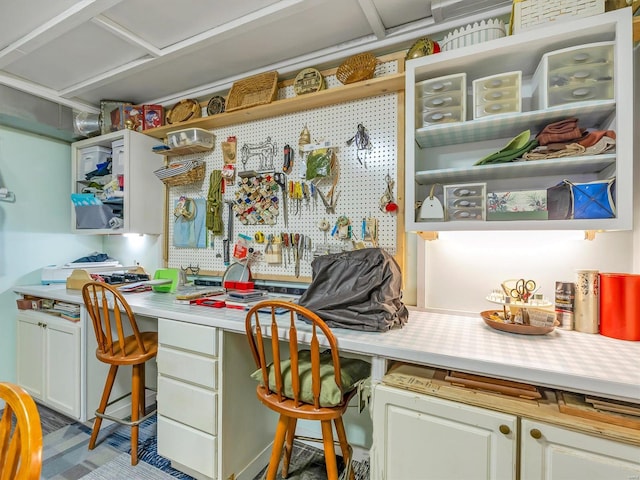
[[420, 437], [210, 422], [553, 453], [48, 360], [187, 395]]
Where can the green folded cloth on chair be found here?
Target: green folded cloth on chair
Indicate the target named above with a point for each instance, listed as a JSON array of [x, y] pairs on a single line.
[[517, 147]]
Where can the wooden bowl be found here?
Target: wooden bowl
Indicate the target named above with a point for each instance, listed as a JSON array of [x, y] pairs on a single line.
[[513, 327]]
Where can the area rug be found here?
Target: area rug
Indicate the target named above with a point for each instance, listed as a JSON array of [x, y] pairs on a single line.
[[66, 456], [120, 467]]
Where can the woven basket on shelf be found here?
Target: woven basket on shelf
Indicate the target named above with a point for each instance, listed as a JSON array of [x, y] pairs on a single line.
[[357, 68], [181, 173], [256, 90]]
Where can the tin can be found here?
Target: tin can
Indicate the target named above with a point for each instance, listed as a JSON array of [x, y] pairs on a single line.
[[586, 301], [564, 304]]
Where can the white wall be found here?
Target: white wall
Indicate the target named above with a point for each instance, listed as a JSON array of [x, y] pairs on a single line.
[[461, 268], [34, 231]]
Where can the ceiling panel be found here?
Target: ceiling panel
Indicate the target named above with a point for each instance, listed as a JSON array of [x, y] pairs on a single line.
[[411, 10], [248, 50], [82, 53], [168, 22], [18, 18], [146, 50]]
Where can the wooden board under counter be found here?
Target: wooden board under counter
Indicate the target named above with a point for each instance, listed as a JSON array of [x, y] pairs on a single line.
[[431, 381]]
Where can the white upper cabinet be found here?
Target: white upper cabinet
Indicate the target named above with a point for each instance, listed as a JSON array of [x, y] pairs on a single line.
[[119, 167], [580, 69]]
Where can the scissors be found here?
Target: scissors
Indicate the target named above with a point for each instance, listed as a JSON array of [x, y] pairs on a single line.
[[523, 289]]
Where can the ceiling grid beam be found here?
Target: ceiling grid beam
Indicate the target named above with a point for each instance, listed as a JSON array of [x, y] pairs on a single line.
[[373, 17], [126, 35]]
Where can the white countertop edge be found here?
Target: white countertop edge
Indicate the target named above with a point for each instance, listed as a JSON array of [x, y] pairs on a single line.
[[391, 345]]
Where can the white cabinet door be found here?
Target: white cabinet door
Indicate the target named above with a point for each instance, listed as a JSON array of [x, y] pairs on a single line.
[[48, 360], [30, 355], [62, 366], [419, 437], [553, 453]]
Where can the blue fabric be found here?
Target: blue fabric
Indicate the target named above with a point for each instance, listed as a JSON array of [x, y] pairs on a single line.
[[593, 200]]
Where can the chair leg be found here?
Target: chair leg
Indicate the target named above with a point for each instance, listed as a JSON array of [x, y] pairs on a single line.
[[108, 385], [276, 451], [143, 407], [344, 446], [329, 450], [135, 409], [288, 446]]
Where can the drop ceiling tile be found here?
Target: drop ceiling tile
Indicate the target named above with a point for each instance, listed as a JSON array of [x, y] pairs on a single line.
[[82, 53], [169, 22], [246, 51], [411, 11], [19, 18]]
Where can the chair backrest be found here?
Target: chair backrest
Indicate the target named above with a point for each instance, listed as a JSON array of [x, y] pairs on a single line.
[[265, 319], [20, 435], [99, 297]]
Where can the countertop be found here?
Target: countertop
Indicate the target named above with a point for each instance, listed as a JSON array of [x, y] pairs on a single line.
[[580, 362]]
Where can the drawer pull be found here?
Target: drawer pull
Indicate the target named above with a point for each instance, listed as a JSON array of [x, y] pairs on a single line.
[[504, 429], [535, 433]]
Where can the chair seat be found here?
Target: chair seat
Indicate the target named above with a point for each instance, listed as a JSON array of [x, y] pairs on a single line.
[[304, 410], [132, 353]]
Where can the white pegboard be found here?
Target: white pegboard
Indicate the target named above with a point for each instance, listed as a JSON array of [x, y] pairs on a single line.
[[360, 188]]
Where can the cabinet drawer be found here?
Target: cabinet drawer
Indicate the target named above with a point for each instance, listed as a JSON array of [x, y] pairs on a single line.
[[188, 336], [187, 366], [187, 446], [187, 404]]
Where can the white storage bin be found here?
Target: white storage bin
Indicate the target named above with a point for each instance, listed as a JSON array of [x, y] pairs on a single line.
[[89, 158], [574, 74], [194, 138], [446, 115], [494, 108], [580, 93], [441, 100], [465, 202], [450, 99], [501, 80], [497, 94], [440, 85]]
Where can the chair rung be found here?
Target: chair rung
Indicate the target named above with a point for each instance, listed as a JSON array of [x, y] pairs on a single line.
[[126, 422]]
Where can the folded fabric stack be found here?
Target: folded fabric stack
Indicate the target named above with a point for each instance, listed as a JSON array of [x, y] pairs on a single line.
[[558, 139], [566, 139]]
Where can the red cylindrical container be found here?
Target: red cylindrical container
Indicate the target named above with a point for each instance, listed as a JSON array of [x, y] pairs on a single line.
[[620, 306]]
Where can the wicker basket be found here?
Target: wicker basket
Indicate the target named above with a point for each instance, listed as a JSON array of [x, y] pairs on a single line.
[[181, 173], [256, 90], [357, 68]]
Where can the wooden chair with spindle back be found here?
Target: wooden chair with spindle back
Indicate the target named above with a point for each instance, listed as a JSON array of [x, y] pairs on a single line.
[[20, 435], [302, 384], [116, 348]]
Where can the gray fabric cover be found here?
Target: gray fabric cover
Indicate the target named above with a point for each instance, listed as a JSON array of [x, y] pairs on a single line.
[[359, 290]]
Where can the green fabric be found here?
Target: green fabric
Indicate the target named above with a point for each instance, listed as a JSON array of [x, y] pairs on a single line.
[[517, 147], [352, 371]]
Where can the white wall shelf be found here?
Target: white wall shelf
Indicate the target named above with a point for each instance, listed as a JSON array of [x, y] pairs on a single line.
[[445, 153]]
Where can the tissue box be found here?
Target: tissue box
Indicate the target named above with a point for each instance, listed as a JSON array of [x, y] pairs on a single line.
[[517, 205]]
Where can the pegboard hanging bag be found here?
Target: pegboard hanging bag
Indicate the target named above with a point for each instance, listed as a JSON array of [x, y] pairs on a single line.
[[358, 290]]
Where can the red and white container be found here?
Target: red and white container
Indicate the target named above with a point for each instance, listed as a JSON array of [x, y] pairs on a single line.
[[620, 306]]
